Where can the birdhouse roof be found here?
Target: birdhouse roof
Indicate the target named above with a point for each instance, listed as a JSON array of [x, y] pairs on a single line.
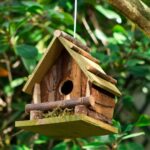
[[63, 41]]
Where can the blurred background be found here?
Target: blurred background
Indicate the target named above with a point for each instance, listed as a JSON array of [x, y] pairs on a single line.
[[26, 29]]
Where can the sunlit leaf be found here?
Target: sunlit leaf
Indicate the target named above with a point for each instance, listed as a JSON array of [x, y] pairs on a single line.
[[110, 14], [119, 37], [144, 120], [29, 64], [132, 135], [60, 146], [17, 82], [27, 51]]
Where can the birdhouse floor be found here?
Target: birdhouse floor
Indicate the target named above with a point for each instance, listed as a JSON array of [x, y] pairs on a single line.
[[72, 126]]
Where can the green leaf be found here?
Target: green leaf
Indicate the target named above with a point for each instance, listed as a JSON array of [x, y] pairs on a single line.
[[119, 37], [95, 146], [110, 14], [29, 64], [60, 17], [27, 51], [17, 82], [117, 124], [41, 140], [132, 135], [139, 71], [130, 146], [120, 29], [143, 121], [12, 28], [19, 147], [128, 128], [4, 44], [60, 146], [134, 62]]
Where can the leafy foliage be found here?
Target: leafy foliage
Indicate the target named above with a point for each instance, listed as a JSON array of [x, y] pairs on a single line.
[[26, 28]]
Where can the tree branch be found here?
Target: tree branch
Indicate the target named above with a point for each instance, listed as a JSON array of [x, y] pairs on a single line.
[[136, 11]]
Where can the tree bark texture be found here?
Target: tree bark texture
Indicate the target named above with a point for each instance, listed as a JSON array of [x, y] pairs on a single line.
[[136, 11]]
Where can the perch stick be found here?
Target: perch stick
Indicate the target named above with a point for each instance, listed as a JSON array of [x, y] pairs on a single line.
[[61, 103]]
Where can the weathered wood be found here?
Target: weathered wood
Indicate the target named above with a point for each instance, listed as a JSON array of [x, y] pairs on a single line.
[[83, 84], [62, 104], [55, 76], [34, 115], [73, 126], [36, 100], [75, 75], [99, 116], [88, 90], [104, 101], [104, 110], [84, 53], [102, 96], [81, 109], [59, 33], [82, 62], [37, 94], [101, 75]]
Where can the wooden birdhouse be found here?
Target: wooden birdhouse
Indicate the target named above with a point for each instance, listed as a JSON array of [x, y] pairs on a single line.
[[72, 95]]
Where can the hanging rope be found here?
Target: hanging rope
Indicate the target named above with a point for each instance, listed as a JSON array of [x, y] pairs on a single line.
[[75, 17]]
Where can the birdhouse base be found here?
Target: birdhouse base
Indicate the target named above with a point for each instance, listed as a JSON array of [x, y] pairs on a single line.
[[72, 126]]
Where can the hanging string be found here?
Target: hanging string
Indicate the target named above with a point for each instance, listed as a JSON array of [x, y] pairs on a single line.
[[75, 17]]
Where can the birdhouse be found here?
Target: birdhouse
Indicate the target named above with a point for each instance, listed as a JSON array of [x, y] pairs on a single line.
[[72, 96]]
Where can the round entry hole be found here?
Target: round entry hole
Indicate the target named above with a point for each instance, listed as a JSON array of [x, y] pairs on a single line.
[[66, 87]]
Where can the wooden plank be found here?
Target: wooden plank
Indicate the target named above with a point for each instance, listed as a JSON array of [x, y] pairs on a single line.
[[98, 116], [84, 84], [37, 94], [73, 126], [75, 76], [104, 84], [105, 111], [104, 101], [84, 53], [85, 59], [36, 100], [54, 78], [102, 97], [101, 75], [83, 62], [59, 33], [50, 56]]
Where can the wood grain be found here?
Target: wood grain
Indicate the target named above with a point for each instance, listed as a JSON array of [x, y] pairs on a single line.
[[101, 75], [53, 79], [59, 33], [73, 126], [83, 62]]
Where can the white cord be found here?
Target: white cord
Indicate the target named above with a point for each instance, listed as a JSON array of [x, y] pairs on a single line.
[[75, 18]]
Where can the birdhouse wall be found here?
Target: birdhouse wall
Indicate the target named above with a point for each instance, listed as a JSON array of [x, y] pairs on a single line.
[[64, 80], [105, 102]]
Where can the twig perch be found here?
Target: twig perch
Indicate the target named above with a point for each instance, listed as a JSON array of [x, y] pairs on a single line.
[[61, 104]]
